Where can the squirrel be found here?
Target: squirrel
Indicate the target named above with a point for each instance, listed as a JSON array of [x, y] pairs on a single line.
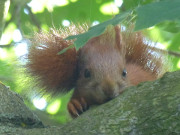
[[99, 71]]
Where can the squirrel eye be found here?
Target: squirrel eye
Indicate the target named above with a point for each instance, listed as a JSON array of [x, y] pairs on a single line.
[[87, 73], [124, 73]]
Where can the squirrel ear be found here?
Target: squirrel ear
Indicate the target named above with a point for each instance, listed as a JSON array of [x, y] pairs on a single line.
[[118, 38], [112, 36]]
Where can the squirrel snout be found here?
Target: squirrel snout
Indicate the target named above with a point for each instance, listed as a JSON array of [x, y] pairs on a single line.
[[111, 88]]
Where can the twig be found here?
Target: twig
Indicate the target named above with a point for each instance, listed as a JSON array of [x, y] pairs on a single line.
[[176, 54], [33, 18], [15, 13], [172, 53], [7, 45]]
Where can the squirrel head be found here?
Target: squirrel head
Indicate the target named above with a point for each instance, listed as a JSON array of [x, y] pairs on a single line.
[[98, 68], [101, 66]]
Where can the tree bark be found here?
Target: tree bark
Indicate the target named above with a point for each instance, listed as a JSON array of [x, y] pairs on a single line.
[[151, 108]]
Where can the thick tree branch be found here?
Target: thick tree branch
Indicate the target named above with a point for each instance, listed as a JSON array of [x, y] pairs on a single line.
[[151, 108]]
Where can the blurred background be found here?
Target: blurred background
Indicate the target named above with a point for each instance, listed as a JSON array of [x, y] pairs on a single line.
[[20, 19]]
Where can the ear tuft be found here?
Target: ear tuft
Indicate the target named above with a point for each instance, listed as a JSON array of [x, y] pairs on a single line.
[[112, 38]]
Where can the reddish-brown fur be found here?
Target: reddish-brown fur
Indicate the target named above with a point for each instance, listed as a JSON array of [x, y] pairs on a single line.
[[54, 72], [98, 70]]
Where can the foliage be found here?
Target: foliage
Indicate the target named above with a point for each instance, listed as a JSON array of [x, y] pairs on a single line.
[[162, 16], [161, 11], [97, 30]]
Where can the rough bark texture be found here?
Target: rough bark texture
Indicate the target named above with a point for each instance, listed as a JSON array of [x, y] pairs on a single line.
[[151, 108], [14, 111]]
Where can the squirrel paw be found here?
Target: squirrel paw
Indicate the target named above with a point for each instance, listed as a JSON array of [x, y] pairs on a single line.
[[77, 107]]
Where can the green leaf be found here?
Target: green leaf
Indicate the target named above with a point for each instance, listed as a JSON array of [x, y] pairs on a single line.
[[131, 4], [97, 30], [65, 49], [151, 14]]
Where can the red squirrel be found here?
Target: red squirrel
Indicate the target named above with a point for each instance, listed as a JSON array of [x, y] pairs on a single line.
[[99, 71]]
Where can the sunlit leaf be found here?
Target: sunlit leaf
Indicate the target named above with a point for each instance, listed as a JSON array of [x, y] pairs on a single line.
[[151, 14], [54, 107]]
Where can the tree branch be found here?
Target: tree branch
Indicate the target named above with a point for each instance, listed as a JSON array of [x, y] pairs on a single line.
[[147, 109], [33, 18]]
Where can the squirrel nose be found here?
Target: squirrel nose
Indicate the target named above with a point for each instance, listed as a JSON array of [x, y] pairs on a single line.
[[109, 88]]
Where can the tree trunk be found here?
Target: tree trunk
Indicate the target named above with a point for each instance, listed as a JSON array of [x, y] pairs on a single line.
[[151, 108]]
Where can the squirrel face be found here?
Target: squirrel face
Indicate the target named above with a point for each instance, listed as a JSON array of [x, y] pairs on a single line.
[[102, 73], [99, 71]]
